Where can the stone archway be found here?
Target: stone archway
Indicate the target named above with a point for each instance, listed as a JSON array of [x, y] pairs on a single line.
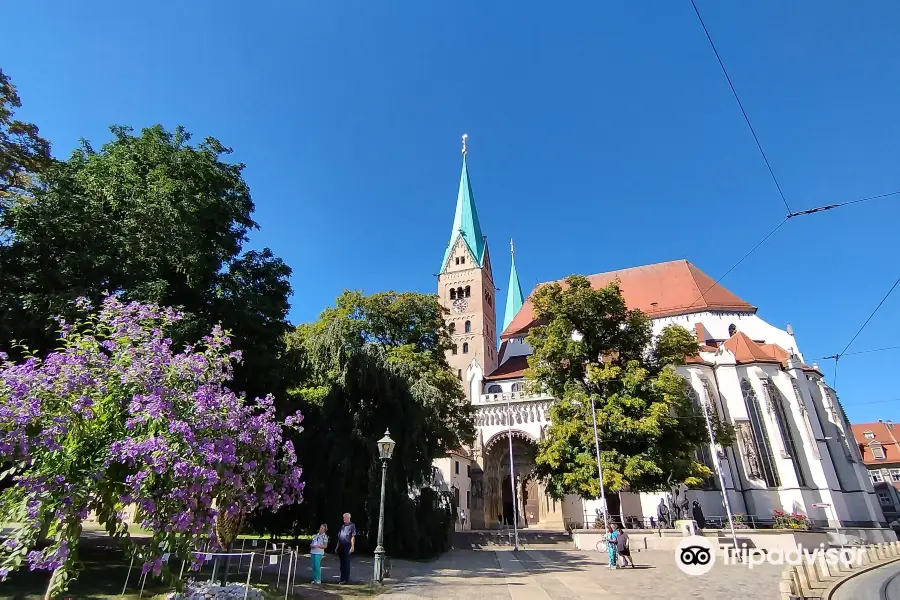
[[498, 492]]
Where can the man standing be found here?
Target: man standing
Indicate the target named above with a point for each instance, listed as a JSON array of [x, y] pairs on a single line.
[[346, 544]]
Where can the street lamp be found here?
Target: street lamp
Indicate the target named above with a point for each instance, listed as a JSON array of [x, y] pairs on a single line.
[[577, 336], [385, 450]]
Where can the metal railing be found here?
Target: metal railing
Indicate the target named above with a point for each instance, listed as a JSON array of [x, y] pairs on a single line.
[[593, 520]]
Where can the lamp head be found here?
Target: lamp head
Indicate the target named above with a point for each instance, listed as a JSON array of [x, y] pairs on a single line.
[[386, 446]]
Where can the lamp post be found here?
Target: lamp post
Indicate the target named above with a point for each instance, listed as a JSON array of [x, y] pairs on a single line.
[[512, 476], [577, 336], [385, 450]]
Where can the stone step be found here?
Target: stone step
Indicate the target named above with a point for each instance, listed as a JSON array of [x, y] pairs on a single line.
[[486, 539]]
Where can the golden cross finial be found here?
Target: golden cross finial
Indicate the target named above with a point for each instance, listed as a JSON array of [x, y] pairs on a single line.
[[465, 136]]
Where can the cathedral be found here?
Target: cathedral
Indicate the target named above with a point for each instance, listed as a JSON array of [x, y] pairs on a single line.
[[793, 450]]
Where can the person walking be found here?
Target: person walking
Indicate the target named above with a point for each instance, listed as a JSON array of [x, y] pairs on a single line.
[[346, 544], [623, 548], [610, 538], [317, 551]]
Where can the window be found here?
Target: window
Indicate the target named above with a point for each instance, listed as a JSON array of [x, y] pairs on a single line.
[[459, 373], [885, 499], [465, 347], [452, 328], [518, 387], [456, 466], [459, 292], [487, 297], [462, 260], [869, 435], [454, 350], [895, 475], [457, 260], [784, 428], [468, 291], [732, 329], [452, 294], [875, 476], [704, 454], [456, 495], [468, 498], [494, 389], [877, 451], [769, 471], [468, 327], [468, 470]]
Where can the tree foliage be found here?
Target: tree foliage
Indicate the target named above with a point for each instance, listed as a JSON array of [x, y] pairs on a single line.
[[152, 218], [22, 150], [649, 429], [371, 363], [114, 417]]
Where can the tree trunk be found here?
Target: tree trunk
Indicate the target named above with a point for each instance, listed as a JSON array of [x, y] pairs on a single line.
[[47, 594]]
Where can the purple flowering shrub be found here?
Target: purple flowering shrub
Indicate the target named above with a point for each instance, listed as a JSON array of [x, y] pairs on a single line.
[[116, 417]]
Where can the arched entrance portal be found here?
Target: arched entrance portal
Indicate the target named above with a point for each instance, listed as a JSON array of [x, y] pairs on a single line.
[[500, 505]]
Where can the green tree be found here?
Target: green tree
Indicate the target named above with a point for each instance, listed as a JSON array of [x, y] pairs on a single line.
[[22, 150], [148, 217], [649, 429], [369, 363]]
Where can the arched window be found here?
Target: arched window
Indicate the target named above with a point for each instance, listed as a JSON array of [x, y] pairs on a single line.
[[732, 329], [468, 326], [459, 292], [704, 453], [459, 373], [468, 291], [452, 294], [466, 348], [518, 387], [784, 429], [454, 349], [452, 328], [494, 389], [757, 425]]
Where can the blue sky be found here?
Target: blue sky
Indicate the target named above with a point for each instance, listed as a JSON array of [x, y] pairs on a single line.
[[601, 136]]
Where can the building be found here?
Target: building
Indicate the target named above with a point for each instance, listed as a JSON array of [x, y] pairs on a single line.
[[453, 474], [880, 450], [793, 445]]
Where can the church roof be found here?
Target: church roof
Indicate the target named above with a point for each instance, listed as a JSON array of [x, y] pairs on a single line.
[[746, 350], [513, 368], [465, 222], [660, 290], [514, 296]]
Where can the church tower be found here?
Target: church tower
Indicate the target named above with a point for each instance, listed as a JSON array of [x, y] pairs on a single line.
[[466, 289]]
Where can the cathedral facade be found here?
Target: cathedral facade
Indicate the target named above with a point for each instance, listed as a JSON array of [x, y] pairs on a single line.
[[793, 448]]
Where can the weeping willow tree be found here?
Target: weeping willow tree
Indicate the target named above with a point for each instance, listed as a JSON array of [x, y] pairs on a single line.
[[371, 363]]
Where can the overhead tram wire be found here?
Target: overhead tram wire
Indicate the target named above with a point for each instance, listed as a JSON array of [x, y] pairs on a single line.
[[810, 211], [859, 352], [741, 106]]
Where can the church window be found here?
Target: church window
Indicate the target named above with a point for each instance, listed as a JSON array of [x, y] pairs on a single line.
[[770, 473], [784, 428], [488, 298], [494, 389], [459, 373], [462, 260], [732, 329], [459, 292], [457, 260], [454, 349], [452, 294], [869, 435], [468, 326], [704, 453], [518, 387], [468, 291], [466, 348], [877, 451]]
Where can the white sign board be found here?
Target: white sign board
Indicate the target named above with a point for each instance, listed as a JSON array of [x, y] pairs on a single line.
[[821, 505]]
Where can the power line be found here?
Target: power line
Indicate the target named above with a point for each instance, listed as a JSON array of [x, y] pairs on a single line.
[[735, 265], [858, 352], [810, 211], [871, 402], [870, 317], [741, 106]]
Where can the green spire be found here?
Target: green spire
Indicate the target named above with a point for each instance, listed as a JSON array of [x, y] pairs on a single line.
[[465, 223], [514, 299]]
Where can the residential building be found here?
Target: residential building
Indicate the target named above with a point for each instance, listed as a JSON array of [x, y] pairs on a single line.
[[880, 448]]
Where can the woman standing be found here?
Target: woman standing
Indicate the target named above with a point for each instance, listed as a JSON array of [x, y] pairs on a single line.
[[317, 551], [610, 538]]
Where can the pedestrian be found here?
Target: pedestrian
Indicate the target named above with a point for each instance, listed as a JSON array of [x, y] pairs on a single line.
[[623, 548], [346, 544], [610, 538], [317, 551]]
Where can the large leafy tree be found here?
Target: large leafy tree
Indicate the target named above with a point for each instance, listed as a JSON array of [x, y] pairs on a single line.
[[648, 427], [23, 151], [153, 218], [117, 416], [369, 363]]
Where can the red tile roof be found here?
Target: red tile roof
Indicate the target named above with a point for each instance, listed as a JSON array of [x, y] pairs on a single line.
[[514, 367], [891, 452], [746, 350], [660, 290]]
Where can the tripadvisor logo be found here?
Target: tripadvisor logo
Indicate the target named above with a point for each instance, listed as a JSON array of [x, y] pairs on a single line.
[[696, 555]]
